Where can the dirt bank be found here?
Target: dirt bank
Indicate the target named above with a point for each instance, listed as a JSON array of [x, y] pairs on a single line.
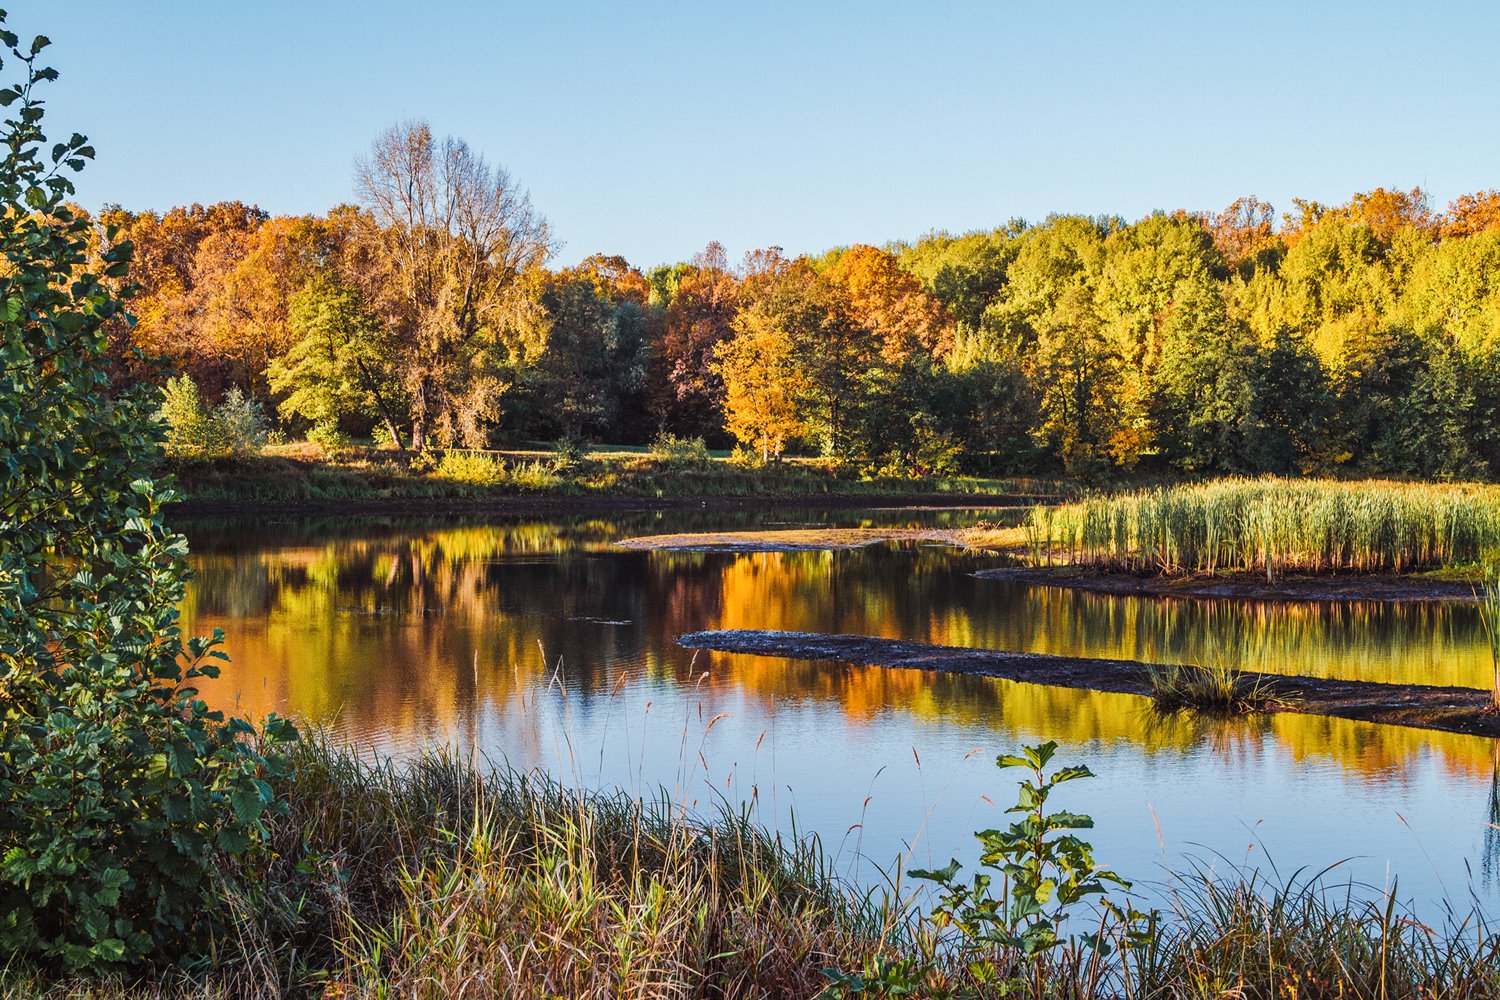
[[1374, 587], [790, 540], [592, 503], [1448, 709]]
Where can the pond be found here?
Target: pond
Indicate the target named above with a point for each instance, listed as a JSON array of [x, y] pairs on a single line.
[[539, 643]]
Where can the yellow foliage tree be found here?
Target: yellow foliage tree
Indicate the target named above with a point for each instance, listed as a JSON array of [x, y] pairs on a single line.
[[763, 384]]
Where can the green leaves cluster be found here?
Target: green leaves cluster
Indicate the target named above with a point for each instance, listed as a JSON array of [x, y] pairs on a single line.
[[120, 790], [236, 426], [1002, 943]]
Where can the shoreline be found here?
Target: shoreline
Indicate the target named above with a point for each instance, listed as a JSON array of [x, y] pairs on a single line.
[[1417, 706], [560, 503]]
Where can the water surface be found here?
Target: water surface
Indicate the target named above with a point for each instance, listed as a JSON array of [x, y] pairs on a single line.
[[540, 643]]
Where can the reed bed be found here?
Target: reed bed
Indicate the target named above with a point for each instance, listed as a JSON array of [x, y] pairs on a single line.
[[1271, 526]]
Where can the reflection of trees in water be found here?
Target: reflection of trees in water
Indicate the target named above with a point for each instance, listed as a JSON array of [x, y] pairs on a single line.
[[421, 629], [1489, 858]]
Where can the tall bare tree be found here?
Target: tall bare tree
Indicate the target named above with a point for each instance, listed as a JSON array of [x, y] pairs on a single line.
[[453, 246]]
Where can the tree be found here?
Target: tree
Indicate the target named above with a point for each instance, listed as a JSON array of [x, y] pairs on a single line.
[[764, 386], [120, 791], [1471, 214], [341, 364], [890, 305], [705, 297], [453, 243], [1242, 234]]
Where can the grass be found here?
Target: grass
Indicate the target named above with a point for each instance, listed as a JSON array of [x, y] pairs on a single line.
[[302, 474], [1271, 526], [440, 879], [1488, 593], [1214, 689]]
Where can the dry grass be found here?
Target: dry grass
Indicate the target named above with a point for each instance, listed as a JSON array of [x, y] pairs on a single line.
[[444, 880]]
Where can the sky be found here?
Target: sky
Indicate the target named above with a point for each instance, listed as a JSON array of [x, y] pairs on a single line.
[[649, 129]]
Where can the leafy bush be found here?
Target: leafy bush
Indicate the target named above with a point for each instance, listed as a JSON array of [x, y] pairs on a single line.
[[470, 468], [681, 453], [237, 426], [568, 454], [1007, 944], [327, 436], [119, 790]]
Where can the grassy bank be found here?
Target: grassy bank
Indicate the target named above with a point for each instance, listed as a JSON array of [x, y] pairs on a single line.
[[1274, 526], [306, 474], [438, 881]]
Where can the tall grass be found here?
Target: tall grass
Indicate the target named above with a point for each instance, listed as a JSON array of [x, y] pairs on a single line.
[[1274, 526], [1488, 593], [444, 879]]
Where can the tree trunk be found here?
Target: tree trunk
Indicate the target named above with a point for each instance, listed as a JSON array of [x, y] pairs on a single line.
[[419, 417]]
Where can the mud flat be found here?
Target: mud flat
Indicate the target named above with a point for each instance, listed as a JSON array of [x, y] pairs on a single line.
[[1420, 706], [1373, 587], [820, 539]]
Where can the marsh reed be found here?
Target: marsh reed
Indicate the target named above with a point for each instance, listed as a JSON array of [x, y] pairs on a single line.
[[1273, 526]]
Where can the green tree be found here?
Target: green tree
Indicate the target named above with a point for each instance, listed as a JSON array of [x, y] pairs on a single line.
[[120, 792], [341, 364]]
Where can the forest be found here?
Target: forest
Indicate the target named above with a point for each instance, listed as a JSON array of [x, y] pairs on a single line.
[[1351, 339]]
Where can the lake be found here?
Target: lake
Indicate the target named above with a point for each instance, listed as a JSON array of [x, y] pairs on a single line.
[[540, 644]]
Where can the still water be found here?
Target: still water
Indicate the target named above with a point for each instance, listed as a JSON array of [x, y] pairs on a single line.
[[541, 644]]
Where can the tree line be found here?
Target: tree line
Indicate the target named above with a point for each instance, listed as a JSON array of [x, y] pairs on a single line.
[[1359, 337]]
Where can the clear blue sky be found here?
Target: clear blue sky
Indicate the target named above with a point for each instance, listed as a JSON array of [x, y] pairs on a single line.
[[650, 129]]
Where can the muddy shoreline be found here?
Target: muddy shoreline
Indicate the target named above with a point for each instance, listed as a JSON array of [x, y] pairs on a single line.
[[1444, 709], [819, 539], [587, 504], [1388, 588]]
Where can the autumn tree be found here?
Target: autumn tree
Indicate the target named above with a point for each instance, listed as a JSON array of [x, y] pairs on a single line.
[[688, 393], [1471, 214], [454, 241], [1243, 235], [765, 388], [592, 367]]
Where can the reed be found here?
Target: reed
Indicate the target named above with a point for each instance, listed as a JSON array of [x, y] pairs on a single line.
[[1213, 688], [1272, 526], [1488, 594]]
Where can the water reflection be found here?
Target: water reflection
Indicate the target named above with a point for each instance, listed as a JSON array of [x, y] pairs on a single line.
[[541, 641]]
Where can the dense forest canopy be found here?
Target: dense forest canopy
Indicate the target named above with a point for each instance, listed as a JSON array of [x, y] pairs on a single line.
[[1359, 337]]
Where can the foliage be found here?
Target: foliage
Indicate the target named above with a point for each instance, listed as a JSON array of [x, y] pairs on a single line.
[[120, 791], [453, 251], [341, 365], [1006, 944], [680, 453], [470, 468], [234, 427]]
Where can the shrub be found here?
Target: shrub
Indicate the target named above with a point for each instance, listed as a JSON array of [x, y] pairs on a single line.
[[681, 453], [119, 789], [326, 435], [470, 468], [237, 426]]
